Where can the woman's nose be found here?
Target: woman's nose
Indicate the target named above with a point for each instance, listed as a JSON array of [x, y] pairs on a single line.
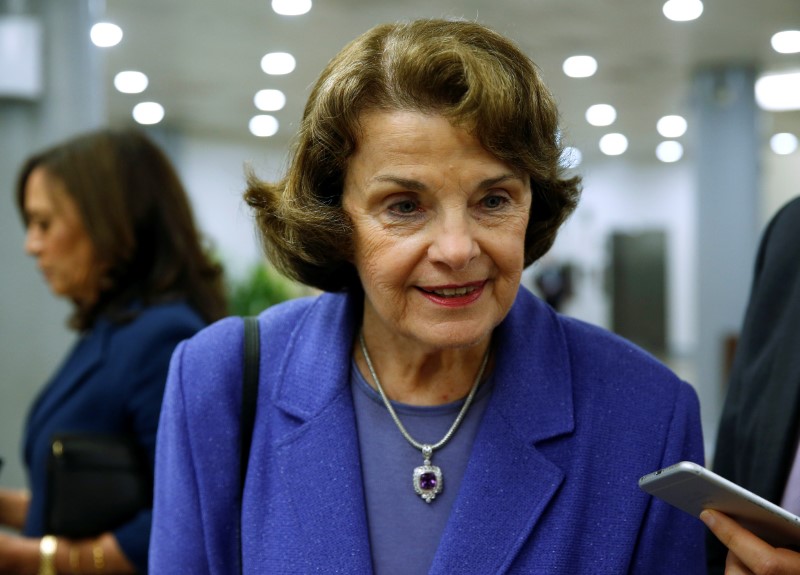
[[454, 242], [33, 242]]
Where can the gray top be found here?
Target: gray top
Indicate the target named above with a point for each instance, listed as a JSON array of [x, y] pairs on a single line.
[[404, 530]]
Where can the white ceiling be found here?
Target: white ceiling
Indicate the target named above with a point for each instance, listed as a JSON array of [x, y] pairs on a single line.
[[203, 56]]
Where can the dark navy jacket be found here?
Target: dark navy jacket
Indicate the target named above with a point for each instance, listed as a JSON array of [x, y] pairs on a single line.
[[111, 382], [576, 416]]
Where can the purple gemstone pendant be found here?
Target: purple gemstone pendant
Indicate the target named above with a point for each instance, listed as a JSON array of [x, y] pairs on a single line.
[[428, 481]]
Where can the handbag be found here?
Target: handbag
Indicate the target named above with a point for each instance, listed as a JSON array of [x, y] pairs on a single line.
[[95, 483]]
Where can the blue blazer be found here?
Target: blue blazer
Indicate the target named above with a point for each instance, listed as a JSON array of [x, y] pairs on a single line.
[[111, 382], [576, 416]]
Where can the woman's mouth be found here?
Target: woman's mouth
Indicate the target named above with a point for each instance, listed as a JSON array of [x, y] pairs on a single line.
[[454, 295], [454, 292]]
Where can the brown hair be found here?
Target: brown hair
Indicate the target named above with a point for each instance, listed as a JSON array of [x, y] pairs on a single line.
[[138, 217], [472, 75]]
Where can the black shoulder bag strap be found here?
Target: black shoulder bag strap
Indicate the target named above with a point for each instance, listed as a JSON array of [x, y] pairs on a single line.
[[248, 416]]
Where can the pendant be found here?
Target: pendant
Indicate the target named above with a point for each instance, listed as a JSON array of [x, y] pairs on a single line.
[[428, 478]]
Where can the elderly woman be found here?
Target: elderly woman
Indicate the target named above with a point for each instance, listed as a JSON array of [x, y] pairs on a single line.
[[111, 229], [426, 415]]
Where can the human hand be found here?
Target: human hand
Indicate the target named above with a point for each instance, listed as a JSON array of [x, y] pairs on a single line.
[[13, 507], [18, 555], [748, 554]]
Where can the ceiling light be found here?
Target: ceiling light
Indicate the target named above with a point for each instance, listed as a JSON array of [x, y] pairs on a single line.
[[778, 92], [671, 126], [148, 113], [669, 151], [571, 157], [105, 34], [601, 115], [269, 100], [613, 144], [263, 125], [130, 82], [580, 66], [783, 143], [786, 42], [683, 10], [291, 7], [277, 63]]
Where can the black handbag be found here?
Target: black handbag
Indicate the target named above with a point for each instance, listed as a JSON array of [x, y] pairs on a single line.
[[95, 483]]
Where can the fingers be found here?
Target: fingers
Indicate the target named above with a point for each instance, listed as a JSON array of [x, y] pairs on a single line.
[[734, 566], [735, 537], [749, 554]]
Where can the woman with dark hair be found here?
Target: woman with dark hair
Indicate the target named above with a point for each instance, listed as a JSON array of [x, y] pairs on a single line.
[[111, 228], [426, 414]]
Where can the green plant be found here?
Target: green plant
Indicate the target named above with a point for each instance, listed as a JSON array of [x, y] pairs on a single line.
[[261, 287]]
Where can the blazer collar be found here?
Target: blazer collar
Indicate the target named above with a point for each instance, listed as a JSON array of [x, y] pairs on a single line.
[[508, 483]]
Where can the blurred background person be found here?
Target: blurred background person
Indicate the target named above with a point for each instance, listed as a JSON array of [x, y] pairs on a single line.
[[757, 445], [110, 226]]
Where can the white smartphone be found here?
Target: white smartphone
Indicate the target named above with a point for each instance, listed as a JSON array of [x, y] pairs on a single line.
[[693, 488]]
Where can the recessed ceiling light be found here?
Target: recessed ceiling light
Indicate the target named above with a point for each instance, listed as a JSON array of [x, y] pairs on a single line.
[[580, 66], [269, 100], [263, 125], [130, 82], [671, 126], [613, 144], [601, 115], [778, 92], [682, 10], [278, 63], [786, 42], [105, 34], [783, 143], [291, 7], [669, 151], [148, 113]]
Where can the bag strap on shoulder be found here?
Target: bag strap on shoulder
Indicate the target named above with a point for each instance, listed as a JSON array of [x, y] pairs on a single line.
[[249, 399], [249, 391]]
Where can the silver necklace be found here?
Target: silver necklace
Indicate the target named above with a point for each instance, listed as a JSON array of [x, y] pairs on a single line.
[[428, 480]]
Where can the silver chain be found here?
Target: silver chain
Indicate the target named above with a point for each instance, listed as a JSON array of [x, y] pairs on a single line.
[[427, 450]]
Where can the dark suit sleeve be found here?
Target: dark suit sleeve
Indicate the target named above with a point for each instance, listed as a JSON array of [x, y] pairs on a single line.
[[759, 423]]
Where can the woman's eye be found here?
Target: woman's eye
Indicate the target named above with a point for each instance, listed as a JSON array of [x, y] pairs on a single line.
[[404, 207], [39, 225], [494, 202]]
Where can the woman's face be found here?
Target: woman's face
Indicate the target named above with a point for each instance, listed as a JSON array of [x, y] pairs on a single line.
[[57, 238], [439, 230]]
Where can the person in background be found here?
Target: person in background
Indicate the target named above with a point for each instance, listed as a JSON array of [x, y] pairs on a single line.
[[757, 442], [111, 229], [425, 414]]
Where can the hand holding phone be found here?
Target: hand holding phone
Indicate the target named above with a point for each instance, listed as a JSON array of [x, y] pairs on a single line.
[[693, 488]]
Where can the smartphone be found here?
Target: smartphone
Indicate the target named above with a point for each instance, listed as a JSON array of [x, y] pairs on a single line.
[[692, 488]]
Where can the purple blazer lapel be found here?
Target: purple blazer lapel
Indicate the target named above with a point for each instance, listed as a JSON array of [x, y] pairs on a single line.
[[320, 473], [508, 483], [317, 517], [506, 490]]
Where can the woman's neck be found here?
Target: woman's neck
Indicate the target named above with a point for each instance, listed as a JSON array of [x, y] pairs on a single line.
[[423, 376]]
